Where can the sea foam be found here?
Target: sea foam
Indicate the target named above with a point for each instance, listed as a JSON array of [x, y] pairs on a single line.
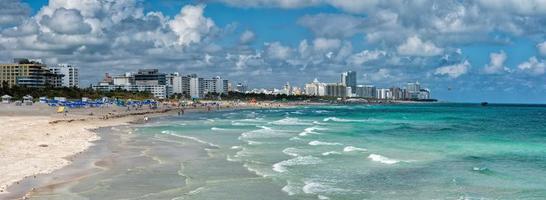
[[291, 151], [300, 160], [317, 143], [290, 121], [382, 159], [312, 187], [351, 149], [336, 119], [311, 130], [331, 153], [264, 132]]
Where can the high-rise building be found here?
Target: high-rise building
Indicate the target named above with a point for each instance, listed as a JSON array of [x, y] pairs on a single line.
[[384, 93], [196, 88], [349, 79], [150, 77], [149, 80], [28, 73], [365, 91], [336, 90], [397, 93], [241, 87], [125, 79], [71, 76], [413, 90], [215, 85]]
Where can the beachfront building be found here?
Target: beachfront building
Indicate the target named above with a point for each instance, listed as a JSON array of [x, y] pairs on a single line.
[[365, 91], [71, 76], [197, 88], [28, 73], [336, 90], [412, 90], [424, 94], [315, 88], [215, 85], [145, 80], [383, 93], [126, 79], [241, 87], [349, 79]]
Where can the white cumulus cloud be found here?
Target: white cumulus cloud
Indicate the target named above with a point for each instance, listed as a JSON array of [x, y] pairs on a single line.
[[414, 46], [326, 44], [247, 37], [542, 48], [533, 66], [496, 63], [190, 25], [365, 56], [453, 71]]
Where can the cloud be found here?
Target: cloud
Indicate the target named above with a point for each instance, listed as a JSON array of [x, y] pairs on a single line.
[[414, 46], [66, 21], [542, 48], [290, 4], [496, 63], [332, 25], [453, 71], [365, 56], [533, 66], [13, 12], [277, 51], [326, 44], [190, 25], [247, 37]]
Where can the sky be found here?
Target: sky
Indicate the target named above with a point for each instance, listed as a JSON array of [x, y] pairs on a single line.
[[462, 50]]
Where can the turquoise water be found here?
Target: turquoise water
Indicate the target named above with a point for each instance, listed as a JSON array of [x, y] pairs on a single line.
[[425, 151]]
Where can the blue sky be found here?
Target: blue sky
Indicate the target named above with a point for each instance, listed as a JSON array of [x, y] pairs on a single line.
[[484, 50]]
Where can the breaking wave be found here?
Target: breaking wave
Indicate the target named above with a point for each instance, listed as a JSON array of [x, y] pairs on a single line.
[[300, 160]]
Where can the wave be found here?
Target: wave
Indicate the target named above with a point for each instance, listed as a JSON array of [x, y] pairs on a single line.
[[316, 143], [312, 187], [191, 138], [291, 189], [351, 149], [382, 159], [291, 151], [247, 122], [218, 129], [236, 147], [331, 153], [264, 132], [321, 111], [297, 112], [250, 142], [336, 119], [290, 121], [256, 171], [295, 139], [300, 160], [311, 130]]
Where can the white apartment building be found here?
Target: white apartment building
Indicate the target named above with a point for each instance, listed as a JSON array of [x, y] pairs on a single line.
[[71, 74]]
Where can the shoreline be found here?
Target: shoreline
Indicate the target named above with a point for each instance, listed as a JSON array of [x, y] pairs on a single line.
[[47, 143]]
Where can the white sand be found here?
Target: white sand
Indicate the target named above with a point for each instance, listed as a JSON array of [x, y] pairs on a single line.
[[31, 145]]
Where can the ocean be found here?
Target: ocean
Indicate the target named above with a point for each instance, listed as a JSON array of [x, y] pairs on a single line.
[[407, 151]]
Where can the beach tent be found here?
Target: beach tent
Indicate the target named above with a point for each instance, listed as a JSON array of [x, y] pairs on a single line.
[[28, 100], [6, 99], [60, 99], [43, 100]]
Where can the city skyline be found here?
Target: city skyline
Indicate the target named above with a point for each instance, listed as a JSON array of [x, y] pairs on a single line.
[[496, 55]]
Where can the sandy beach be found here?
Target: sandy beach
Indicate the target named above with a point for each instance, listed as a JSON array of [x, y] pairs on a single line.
[[35, 140]]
